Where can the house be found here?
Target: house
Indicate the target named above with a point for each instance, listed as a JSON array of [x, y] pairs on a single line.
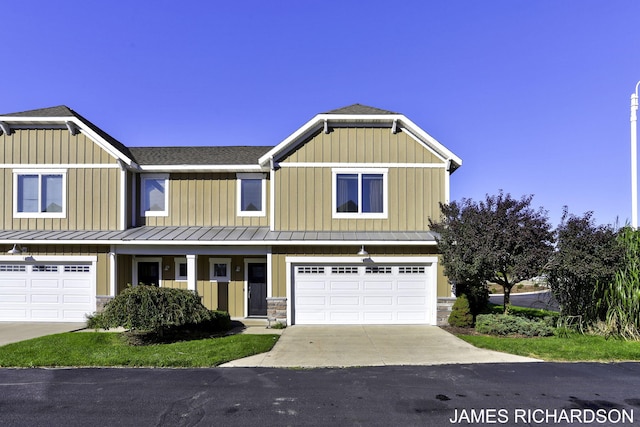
[[328, 226]]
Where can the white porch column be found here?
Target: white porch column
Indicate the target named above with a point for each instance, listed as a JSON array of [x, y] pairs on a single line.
[[191, 272], [112, 272]]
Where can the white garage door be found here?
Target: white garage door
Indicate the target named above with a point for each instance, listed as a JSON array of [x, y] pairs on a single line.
[[46, 292], [357, 294]]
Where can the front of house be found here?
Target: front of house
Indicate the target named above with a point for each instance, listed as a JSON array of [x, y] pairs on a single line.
[[329, 226]]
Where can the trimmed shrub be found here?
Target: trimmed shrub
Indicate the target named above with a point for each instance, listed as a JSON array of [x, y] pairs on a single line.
[[506, 324], [461, 313], [150, 308]]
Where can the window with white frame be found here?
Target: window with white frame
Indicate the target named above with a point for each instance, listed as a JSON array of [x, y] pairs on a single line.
[[220, 269], [181, 269], [39, 193], [360, 193], [154, 195], [251, 194]]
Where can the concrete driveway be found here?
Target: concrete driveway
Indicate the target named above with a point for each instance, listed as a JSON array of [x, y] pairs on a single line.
[[370, 345], [19, 331]]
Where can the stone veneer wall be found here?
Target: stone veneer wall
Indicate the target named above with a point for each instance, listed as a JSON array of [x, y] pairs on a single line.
[[444, 310], [277, 309], [101, 301]]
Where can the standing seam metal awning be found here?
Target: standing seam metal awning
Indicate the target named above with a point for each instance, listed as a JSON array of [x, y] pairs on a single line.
[[215, 235]]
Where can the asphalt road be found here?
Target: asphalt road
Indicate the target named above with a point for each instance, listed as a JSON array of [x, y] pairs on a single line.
[[542, 300], [506, 394]]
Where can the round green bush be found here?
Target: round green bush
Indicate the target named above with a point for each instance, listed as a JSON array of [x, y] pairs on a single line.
[[461, 313]]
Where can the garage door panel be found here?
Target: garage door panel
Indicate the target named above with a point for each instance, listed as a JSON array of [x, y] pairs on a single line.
[[45, 314], [411, 285], [320, 285], [378, 286], [311, 301], [411, 317], [18, 298], [378, 317], [416, 301], [343, 300], [344, 316], [45, 299], [45, 284], [52, 291], [355, 294], [76, 299], [344, 286], [371, 300]]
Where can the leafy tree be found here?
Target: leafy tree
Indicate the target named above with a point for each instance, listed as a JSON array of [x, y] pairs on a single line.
[[501, 239], [585, 262]]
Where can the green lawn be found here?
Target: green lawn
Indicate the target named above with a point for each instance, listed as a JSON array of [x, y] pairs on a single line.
[[110, 349], [573, 348]]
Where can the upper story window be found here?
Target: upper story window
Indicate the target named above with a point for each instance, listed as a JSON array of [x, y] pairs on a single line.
[[39, 193], [251, 194], [155, 195], [360, 193]]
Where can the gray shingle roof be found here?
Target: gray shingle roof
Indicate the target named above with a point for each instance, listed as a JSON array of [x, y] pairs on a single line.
[[223, 155], [58, 111], [359, 109]]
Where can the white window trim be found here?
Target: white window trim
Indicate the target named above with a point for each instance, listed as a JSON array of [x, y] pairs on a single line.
[[263, 181], [212, 262], [135, 262], [360, 171], [144, 177], [39, 172], [179, 261]]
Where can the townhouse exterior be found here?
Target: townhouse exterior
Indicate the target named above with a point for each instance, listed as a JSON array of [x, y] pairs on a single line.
[[328, 226]]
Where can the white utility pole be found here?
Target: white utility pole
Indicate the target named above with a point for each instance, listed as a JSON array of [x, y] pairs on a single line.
[[634, 158]]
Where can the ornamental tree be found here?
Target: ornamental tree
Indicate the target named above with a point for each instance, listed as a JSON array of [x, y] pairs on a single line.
[[500, 239], [585, 263]]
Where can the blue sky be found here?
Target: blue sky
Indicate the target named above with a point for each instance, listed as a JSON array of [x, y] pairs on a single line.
[[532, 95]]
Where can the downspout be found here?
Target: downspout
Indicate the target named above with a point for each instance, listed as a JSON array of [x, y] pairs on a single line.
[[123, 196]]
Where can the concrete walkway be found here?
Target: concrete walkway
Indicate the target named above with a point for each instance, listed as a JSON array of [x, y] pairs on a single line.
[[11, 332], [369, 345]]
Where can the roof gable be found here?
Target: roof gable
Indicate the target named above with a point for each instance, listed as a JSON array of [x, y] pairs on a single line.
[[62, 114], [360, 116]]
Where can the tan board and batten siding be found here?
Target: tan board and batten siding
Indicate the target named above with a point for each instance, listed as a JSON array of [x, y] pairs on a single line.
[[93, 205], [204, 199], [304, 194]]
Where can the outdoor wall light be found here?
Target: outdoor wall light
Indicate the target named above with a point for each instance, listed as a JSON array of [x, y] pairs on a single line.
[[362, 252], [237, 269], [17, 249]]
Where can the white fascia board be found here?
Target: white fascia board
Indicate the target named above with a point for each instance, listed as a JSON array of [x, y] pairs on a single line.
[[327, 259], [431, 141], [81, 126], [203, 168], [304, 129]]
